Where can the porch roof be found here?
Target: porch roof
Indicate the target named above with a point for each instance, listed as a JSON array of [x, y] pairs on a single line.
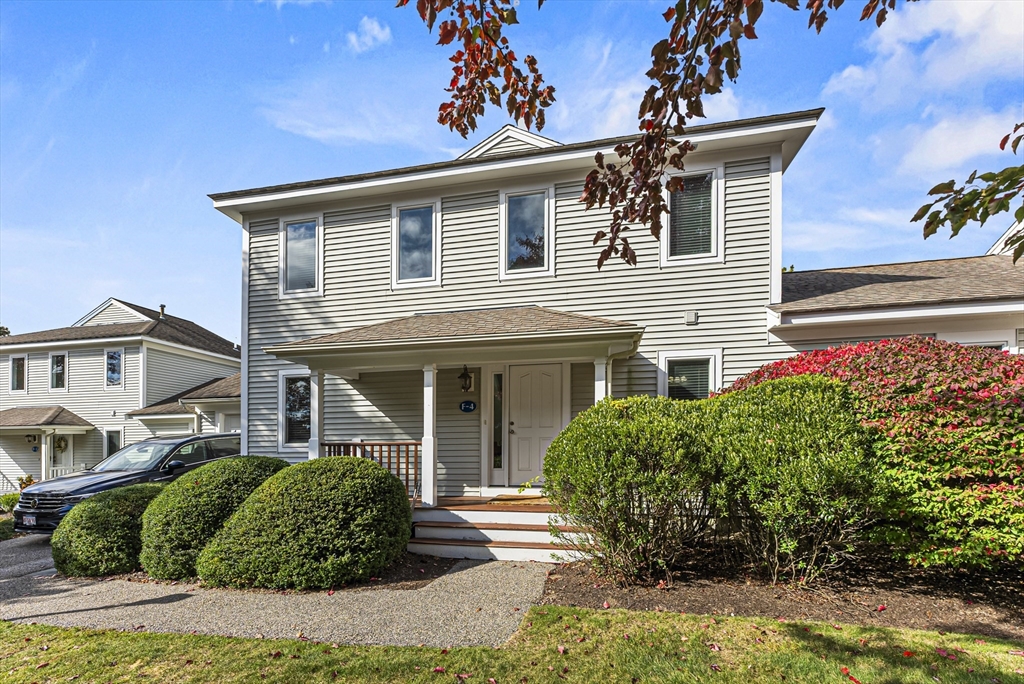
[[517, 327], [42, 417]]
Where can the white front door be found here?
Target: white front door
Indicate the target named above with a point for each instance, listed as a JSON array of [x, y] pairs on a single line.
[[63, 461], [534, 418]]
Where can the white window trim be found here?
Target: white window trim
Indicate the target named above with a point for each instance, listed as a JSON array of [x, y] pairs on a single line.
[[714, 372], [282, 446], [10, 373], [106, 431], [49, 371], [549, 234], [121, 385], [435, 279], [717, 254], [282, 248]]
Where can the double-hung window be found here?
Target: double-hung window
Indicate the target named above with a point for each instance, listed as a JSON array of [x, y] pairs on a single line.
[[294, 422], [301, 241], [693, 229], [114, 369], [415, 251], [58, 372], [526, 234], [19, 374], [689, 374]]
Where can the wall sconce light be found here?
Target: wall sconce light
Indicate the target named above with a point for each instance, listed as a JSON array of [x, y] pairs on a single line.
[[467, 379], [31, 439]]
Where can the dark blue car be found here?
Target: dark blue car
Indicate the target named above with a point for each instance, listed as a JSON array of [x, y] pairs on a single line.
[[161, 459]]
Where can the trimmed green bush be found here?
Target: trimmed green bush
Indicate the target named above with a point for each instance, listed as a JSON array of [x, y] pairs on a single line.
[[315, 525], [102, 535], [9, 501], [799, 472], [193, 508], [634, 472]]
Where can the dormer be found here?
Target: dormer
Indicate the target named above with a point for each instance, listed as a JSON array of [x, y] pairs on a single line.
[[506, 140], [115, 311]]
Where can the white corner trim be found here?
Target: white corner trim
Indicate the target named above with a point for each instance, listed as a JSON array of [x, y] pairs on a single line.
[[143, 357], [714, 354], [717, 254], [121, 385], [435, 279], [775, 233], [548, 270], [282, 446], [10, 373], [49, 372], [245, 340], [282, 249]]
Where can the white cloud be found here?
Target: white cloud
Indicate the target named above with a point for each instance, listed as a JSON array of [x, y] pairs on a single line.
[[877, 227], [369, 35], [278, 4], [957, 139], [936, 47]]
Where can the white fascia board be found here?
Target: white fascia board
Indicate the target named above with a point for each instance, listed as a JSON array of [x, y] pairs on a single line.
[[120, 342], [111, 301], [997, 246], [63, 429], [163, 416], [777, 322], [190, 351], [791, 134]]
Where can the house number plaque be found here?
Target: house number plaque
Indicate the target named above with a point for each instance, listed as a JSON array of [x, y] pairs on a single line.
[[467, 406]]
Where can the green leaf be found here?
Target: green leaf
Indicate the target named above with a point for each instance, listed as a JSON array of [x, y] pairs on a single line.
[[943, 188]]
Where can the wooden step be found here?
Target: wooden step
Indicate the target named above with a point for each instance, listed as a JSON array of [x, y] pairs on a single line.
[[514, 527]]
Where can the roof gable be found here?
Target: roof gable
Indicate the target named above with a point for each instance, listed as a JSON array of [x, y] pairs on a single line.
[[114, 311], [506, 140]]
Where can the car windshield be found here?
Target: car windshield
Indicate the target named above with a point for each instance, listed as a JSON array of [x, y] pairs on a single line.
[[141, 456]]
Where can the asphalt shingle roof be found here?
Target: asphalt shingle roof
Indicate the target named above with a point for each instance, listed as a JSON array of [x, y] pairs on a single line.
[[41, 416], [943, 281], [478, 323], [169, 329], [220, 388]]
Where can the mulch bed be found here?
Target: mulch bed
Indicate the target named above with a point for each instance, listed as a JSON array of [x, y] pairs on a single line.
[[410, 571], [942, 599]]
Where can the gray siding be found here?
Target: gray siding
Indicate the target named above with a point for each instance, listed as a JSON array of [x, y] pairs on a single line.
[[16, 460], [730, 298], [581, 393], [168, 373], [458, 435], [113, 313]]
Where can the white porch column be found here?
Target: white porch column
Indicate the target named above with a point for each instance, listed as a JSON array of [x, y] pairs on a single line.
[[316, 413], [428, 495], [44, 456], [600, 378]]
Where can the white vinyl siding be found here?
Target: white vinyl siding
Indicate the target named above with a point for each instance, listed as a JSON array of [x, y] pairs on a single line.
[[729, 296], [458, 435], [507, 146], [581, 393], [168, 373], [115, 313]]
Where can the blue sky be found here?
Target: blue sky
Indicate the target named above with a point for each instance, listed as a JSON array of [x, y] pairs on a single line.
[[117, 119]]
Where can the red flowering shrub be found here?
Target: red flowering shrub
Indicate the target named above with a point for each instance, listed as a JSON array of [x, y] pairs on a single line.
[[952, 447]]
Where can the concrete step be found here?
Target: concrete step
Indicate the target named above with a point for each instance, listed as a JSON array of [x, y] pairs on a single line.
[[488, 550]]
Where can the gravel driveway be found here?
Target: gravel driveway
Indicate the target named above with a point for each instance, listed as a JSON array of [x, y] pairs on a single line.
[[475, 603]]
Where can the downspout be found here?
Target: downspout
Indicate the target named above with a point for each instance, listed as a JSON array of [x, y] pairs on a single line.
[[619, 351]]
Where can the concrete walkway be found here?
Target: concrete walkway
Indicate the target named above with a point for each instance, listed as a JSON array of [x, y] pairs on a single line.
[[475, 603]]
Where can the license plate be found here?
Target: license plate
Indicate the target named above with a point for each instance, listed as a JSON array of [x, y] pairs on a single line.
[[29, 521]]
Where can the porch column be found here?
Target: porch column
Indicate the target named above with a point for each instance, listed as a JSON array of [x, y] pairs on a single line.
[[316, 413], [600, 378], [428, 491], [44, 456]]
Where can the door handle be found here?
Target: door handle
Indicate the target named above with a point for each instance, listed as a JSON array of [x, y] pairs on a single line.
[[511, 431]]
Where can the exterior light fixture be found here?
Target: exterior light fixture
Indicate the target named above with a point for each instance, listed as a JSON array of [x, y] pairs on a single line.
[[467, 379]]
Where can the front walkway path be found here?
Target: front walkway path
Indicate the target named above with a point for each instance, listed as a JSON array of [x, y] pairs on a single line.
[[476, 603]]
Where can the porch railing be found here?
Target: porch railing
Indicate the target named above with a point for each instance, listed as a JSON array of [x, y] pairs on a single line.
[[58, 472], [402, 459]]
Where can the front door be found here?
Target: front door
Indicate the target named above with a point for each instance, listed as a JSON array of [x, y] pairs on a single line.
[[534, 418], [63, 455]]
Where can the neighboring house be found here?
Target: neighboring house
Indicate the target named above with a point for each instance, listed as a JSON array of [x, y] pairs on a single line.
[[213, 406], [67, 395]]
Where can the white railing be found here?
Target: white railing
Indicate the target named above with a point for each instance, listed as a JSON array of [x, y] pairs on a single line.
[[57, 472]]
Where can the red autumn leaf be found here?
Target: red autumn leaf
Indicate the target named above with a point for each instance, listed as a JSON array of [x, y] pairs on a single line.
[[881, 608], [853, 679], [439, 669], [330, 592], [714, 647], [845, 670], [716, 668], [606, 605], [908, 654], [41, 665], [444, 651], [561, 650], [275, 654]]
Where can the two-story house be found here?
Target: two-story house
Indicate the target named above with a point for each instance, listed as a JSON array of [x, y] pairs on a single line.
[[68, 396], [448, 320]]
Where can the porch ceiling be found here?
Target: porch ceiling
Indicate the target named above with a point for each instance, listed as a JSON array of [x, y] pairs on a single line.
[[461, 337]]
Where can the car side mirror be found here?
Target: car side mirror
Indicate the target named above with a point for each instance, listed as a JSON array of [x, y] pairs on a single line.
[[174, 465]]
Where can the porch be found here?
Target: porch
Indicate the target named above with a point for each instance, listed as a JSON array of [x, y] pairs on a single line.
[[40, 440], [477, 396]]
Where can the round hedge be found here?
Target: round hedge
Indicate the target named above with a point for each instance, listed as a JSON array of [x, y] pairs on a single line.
[[102, 535], [634, 472], [315, 525], [190, 510]]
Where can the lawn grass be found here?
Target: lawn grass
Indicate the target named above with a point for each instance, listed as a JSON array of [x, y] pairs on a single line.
[[6, 528], [599, 646]]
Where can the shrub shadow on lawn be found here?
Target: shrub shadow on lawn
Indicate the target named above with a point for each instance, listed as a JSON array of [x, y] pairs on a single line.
[[889, 647]]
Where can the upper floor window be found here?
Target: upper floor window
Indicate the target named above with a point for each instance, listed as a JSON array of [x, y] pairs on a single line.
[[114, 368], [415, 250], [19, 373], [58, 371], [301, 242], [693, 232], [526, 244]]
